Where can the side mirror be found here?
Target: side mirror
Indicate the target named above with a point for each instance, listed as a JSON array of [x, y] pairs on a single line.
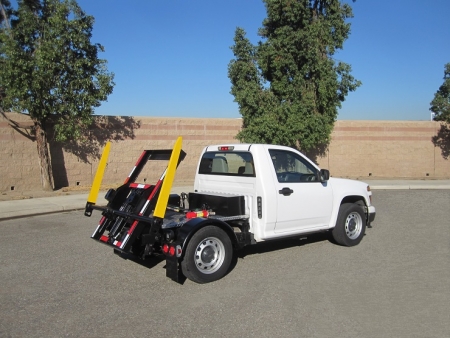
[[324, 175]]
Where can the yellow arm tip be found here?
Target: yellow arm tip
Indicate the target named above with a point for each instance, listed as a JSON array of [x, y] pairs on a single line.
[[92, 198], [161, 204]]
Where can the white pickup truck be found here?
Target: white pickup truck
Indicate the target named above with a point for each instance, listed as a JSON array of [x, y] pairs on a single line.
[[243, 194]]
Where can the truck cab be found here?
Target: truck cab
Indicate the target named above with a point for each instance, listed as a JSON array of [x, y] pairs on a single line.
[[285, 193]]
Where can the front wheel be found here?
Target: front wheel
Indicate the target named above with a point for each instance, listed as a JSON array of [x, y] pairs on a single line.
[[208, 255], [350, 225]]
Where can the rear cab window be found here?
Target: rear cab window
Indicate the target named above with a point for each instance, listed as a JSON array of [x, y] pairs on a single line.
[[227, 163]]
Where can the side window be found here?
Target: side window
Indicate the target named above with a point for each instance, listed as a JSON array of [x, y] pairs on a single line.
[[290, 167], [227, 163]]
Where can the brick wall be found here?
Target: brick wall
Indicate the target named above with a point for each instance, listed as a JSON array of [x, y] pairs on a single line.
[[18, 154], [399, 149], [359, 149]]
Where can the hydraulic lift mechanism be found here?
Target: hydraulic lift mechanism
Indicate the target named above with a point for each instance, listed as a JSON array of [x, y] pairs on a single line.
[[132, 220]]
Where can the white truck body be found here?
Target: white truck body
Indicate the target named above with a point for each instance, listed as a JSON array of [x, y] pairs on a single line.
[[312, 206]]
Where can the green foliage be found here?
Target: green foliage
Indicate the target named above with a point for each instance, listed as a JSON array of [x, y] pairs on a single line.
[[289, 87], [440, 105], [50, 69]]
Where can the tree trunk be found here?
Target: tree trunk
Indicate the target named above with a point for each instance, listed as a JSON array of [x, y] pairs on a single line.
[[44, 156], [5, 17]]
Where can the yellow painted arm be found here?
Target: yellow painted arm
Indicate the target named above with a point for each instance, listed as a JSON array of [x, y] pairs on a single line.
[[161, 204], [92, 198]]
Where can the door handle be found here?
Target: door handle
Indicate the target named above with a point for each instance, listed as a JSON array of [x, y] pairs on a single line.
[[285, 191]]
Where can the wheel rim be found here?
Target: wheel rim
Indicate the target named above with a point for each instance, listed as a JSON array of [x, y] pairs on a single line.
[[353, 225], [209, 255]]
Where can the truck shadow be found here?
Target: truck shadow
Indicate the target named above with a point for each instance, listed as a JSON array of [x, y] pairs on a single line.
[[259, 248], [149, 262], [285, 243]]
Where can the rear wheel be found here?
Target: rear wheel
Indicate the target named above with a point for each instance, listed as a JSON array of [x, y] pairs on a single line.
[[208, 255], [350, 225]]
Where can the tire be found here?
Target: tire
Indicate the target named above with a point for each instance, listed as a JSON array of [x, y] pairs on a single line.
[[208, 255], [350, 225]]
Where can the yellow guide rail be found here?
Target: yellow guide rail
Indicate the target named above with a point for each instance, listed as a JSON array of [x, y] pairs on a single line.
[[92, 198], [161, 204]]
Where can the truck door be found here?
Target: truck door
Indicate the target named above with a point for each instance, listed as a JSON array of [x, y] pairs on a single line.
[[302, 201]]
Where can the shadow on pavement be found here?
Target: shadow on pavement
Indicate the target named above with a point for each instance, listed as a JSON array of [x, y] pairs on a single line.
[[281, 244], [149, 262]]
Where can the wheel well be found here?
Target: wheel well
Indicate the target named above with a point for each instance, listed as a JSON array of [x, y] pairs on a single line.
[[354, 199], [227, 229], [190, 228]]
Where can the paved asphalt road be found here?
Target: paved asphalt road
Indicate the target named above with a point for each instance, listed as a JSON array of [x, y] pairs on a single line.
[[57, 282]]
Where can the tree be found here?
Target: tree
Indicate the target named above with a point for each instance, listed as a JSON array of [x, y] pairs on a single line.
[[52, 72], [5, 12], [288, 87], [440, 105]]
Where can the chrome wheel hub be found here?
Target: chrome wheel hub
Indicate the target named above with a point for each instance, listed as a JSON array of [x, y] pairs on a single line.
[[209, 255], [353, 225]]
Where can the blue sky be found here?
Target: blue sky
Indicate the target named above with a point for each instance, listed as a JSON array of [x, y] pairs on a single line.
[[170, 57]]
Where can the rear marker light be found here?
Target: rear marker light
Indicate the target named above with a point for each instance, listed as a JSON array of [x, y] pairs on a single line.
[[226, 148], [195, 214], [165, 248], [172, 250]]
